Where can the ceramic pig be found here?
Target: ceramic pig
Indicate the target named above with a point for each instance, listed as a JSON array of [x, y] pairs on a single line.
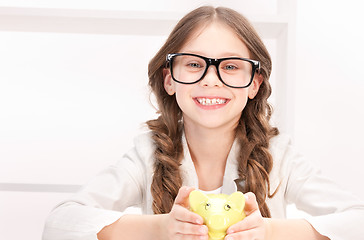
[[219, 211]]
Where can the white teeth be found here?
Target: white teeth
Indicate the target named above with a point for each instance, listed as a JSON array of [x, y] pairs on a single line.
[[211, 101]]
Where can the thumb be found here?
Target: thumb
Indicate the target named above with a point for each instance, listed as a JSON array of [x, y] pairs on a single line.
[[182, 196], [251, 204]]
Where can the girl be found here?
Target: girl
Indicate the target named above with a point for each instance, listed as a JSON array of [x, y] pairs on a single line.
[[210, 79]]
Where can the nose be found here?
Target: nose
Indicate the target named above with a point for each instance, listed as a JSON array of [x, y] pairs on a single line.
[[218, 222], [211, 78]]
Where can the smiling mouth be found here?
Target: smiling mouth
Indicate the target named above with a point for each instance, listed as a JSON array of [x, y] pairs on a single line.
[[211, 101]]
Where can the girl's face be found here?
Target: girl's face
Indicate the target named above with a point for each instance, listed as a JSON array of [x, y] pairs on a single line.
[[209, 103]]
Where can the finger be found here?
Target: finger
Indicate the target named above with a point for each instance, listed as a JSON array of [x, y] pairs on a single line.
[[251, 203], [191, 229], [182, 214], [182, 196], [252, 221], [191, 237], [249, 234]]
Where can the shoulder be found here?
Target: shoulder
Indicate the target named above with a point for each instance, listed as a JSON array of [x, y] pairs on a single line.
[[141, 154], [284, 155], [279, 145], [144, 144], [288, 162]]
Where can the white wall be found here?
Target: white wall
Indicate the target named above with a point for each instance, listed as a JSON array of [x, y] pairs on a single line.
[[67, 91], [73, 91], [329, 87]]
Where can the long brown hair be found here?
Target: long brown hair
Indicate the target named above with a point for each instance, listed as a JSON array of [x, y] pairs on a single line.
[[253, 131]]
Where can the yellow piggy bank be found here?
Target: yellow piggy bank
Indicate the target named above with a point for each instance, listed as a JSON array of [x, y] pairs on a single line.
[[219, 211]]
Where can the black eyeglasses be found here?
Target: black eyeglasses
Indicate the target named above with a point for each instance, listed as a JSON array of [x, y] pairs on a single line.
[[234, 72]]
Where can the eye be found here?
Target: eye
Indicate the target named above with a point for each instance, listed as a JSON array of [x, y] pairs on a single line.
[[194, 65], [207, 206], [227, 207], [230, 67]]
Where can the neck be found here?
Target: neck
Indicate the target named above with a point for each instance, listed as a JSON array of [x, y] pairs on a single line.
[[209, 145], [209, 149]]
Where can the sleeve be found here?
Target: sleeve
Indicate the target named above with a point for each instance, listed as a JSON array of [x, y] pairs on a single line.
[[334, 212], [99, 203]]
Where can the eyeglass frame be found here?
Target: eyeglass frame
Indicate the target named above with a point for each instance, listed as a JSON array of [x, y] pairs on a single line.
[[215, 62]]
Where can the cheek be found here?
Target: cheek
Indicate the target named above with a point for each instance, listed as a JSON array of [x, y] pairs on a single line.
[[242, 94], [242, 97], [182, 95]]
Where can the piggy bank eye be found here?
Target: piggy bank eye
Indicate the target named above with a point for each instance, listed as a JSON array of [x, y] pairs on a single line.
[[227, 207], [207, 206]]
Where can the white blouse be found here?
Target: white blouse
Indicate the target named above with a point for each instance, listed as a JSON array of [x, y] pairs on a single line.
[[335, 212]]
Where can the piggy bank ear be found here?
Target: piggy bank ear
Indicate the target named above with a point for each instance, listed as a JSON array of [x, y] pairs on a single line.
[[236, 201], [197, 198]]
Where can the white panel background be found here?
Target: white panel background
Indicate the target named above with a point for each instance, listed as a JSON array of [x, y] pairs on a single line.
[[75, 99], [259, 7], [329, 86], [70, 103]]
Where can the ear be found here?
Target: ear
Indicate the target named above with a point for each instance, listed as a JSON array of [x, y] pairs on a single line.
[[196, 199], [254, 87], [169, 84], [237, 201]]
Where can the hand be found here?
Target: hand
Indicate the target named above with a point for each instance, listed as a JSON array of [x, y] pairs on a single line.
[[181, 223], [253, 226]]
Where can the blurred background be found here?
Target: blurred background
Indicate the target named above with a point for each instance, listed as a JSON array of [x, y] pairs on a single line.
[[73, 90]]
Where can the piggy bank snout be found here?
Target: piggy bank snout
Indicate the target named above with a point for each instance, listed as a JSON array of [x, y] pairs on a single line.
[[218, 222]]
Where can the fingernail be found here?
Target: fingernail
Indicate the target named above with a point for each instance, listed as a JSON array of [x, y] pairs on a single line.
[[246, 197], [198, 221]]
